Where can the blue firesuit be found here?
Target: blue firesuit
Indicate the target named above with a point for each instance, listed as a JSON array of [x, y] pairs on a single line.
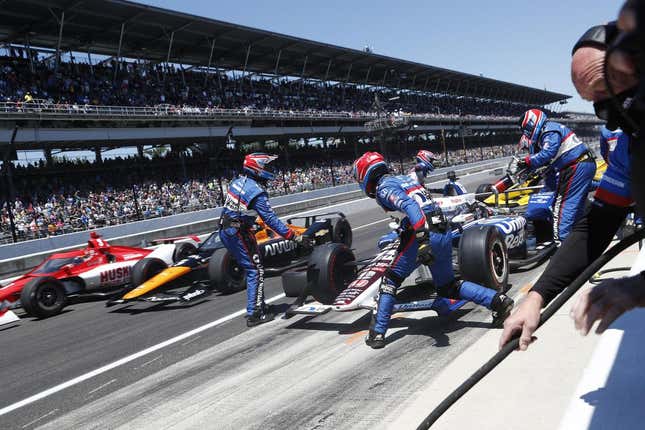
[[244, 199], [573, 169], [454, 188], [404, 194], [614, 185]]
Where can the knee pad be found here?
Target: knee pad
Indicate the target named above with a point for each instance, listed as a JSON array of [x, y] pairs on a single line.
[[450, 290], [389, 283]]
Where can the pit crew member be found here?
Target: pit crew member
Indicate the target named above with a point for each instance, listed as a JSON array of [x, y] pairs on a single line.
[[425, 238], [588, 239], [453, 187], [554, 144], [247, 196]]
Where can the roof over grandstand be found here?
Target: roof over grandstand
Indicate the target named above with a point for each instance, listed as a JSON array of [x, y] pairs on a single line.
[[122, 28]]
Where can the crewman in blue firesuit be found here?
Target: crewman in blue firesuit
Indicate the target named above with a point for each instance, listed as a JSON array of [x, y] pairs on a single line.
[[246, 196], [572, 167], [453, 187], [425, 238], [425, 164]]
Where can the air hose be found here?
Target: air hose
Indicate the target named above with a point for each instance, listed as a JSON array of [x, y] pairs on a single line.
[[513, 344]]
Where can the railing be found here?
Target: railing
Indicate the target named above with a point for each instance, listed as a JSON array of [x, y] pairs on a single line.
[[44, 109]]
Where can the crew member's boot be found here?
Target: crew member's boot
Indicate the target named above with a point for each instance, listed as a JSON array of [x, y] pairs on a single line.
[[260, 316], [374, 340], [502, 305]]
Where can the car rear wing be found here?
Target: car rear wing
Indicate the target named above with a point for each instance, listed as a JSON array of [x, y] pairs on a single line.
[[310, 219]]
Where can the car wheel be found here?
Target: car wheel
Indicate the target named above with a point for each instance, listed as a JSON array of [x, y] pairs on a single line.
[[225, 274], [183, 250], [483, 257], [294, 282], [342, 232], [483, 188], [330, 271], [43, 297], [145, 269]]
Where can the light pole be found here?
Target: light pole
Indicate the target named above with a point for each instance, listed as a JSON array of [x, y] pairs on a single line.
[[461, 132]]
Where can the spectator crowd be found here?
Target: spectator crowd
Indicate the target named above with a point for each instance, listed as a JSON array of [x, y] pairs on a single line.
[[113, 83], [76, 195]]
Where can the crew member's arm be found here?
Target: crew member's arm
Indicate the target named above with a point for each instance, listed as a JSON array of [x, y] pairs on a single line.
[[550, 146], [588, 240], [263, 208], [406, 204]]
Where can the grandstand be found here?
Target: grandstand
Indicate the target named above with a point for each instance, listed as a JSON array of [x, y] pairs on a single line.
[[102, 74]]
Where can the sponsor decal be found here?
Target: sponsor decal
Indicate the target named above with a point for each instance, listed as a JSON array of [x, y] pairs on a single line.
[[115, 276], [193, 294], [280, 247]]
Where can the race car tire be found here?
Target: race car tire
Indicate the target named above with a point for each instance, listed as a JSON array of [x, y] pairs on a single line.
[[329, 272], [225, 275], [145, 269], [294, 282], [342, 232], [483, 188], [183, 250], [43, 297], [483, 257]]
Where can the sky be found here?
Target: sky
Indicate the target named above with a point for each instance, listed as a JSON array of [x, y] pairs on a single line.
[[527, 43]]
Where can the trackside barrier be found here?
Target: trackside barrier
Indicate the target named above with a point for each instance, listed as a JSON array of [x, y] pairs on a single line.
[[141, 233]]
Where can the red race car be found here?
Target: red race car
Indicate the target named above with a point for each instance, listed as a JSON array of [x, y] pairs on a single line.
[[96, 271]]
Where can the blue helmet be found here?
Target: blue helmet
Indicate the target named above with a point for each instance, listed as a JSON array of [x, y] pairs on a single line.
[[424, 159], [256, 165], [531, 124]]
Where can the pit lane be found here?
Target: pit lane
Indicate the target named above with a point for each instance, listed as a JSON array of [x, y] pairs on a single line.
[[297, 373]]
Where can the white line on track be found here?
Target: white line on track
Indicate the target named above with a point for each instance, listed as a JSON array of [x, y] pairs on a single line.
[[142, 353], [30, 423], [111, 381]]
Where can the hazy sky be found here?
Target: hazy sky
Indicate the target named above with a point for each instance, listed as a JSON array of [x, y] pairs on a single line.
[[527, 43]]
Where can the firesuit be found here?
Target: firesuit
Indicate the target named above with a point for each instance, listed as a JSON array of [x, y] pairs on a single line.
[[572, 163], [245, 198], [453, 187], [401, 193], [593, 233]]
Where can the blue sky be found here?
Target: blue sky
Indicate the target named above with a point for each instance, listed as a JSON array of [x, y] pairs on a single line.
[[523, 42]]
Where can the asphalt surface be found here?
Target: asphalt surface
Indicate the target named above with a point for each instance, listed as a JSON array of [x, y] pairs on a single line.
[[213, 372]]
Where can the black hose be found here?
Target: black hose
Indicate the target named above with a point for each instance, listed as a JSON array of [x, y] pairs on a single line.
[[513, 344]]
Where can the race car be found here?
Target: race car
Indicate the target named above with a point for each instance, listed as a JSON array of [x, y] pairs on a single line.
[[211, 266], [338, 282], [486, 247], [513, 190], [95, 271]]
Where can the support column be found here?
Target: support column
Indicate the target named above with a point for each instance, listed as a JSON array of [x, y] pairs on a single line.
[[140, 151], [118, 53], [98, 154], [61, 23], [47, 153]]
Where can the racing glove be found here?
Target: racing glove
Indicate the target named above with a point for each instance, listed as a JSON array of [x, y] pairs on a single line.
[[303, 241], [424, 254], [523, 163]]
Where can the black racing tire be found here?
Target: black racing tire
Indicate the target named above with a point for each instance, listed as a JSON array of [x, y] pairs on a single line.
[[483, 188], [225, 275], [183, 250], [294, 282], [342, 232], [483, 257], [145, 269], [43, 297], [329, 272]]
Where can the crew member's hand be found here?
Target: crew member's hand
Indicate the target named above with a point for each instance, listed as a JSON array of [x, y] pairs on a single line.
[[424, 255], [303, 241], [422, 235], [607, 301], [524, 321], [522, 164]]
